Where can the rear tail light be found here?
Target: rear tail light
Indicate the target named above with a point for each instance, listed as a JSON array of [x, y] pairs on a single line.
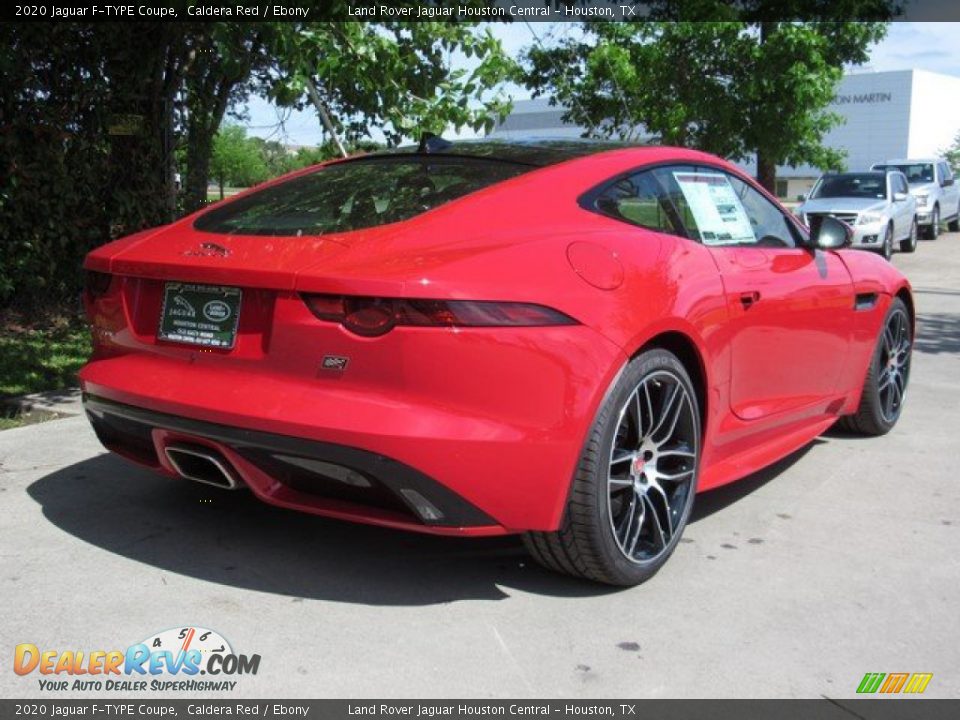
[[371, 317], [97, 283]]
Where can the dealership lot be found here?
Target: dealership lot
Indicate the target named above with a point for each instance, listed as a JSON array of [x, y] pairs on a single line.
[[841, 560]]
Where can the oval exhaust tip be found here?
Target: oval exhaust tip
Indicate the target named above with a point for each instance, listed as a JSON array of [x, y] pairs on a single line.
[[202, 465]]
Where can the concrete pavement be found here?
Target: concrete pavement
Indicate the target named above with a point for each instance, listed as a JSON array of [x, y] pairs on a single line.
[[841, 560]]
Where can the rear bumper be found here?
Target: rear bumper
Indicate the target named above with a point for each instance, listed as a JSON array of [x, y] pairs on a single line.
[[492, 455], [293, 472]]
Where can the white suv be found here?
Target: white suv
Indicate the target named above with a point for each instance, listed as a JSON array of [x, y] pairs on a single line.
[[937, 193]]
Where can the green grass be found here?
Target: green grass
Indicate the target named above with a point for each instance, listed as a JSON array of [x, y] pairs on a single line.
[[42, 354], [6, 423], [642, 211], [214, 195]]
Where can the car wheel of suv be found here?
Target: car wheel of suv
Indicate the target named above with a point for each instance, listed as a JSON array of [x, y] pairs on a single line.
[[954, 224], [633, 488], [886, 384], [910, 244], [934, 230], [887, 248]]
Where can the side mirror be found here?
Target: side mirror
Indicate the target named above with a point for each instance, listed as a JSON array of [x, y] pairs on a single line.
[[900, 197], [828, 233], [802, 197], [948, 182]]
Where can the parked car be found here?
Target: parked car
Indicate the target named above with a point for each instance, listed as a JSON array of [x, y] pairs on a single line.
[[565, 340], [933, 185], [877, 205]]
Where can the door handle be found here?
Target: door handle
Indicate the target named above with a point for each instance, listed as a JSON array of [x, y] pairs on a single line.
[[747, 299]]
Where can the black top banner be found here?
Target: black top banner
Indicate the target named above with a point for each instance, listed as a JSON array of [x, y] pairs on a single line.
[[483, 10]]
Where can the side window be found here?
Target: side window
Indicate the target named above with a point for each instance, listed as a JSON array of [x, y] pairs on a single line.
[[945, 171], [898, 184], [638, 200], [770, 225], [721, 209]]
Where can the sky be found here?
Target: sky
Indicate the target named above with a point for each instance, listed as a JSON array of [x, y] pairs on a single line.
[[933, 46]]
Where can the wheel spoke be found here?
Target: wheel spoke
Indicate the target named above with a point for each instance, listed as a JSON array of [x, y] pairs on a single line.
[[677, 411], [619, 483], [898, 389], [888, 341], [675, 477], [623, 527], [641, 512], [659, 537], [667, 414], [665, 499], [633, 410], [677, 452], [647, 402], [888, 404], [620, 456]]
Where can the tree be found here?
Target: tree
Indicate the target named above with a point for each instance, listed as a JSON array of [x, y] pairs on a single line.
[[96, 117], [952, 154], [396, 77], [85, 145], [237, 160], [227, 61], [276, 157], [716, 77]]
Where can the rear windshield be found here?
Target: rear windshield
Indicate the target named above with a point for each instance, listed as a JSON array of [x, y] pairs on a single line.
[[917, 173], [854, 185], [355, 195]]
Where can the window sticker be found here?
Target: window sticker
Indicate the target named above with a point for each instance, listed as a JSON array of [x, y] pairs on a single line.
[[716, 208]]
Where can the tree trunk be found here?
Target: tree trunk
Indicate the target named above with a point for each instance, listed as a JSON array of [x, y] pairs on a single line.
[[209, 85], [766, 167], [221, 187], [199, 149], [766, 172]]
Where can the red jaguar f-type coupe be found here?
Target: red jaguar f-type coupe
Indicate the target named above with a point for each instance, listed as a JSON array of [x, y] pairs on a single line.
[[561, 339]]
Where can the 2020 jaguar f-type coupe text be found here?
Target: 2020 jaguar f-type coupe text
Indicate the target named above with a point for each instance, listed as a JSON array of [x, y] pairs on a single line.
[[560, 339]]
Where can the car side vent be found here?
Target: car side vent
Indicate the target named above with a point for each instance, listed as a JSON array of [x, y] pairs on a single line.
[[865, 301]]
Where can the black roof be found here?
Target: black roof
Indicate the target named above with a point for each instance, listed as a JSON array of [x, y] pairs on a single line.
[[534, 151]]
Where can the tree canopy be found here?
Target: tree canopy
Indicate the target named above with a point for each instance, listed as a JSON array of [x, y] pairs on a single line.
[[736, 85], [96, 118]]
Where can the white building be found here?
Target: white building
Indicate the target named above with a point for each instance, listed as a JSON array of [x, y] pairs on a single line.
[[898, 114]]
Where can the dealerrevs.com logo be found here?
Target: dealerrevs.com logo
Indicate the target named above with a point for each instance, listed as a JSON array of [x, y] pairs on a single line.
[[170, 661]]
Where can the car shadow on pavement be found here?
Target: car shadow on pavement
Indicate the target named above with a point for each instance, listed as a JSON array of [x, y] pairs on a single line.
[[231, 538], [711, 501], [234, 539]]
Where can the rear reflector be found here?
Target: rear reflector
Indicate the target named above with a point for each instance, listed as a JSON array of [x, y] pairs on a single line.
[[371, 317]]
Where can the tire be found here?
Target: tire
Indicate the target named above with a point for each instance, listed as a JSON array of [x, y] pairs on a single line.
[[634, 486], [954, 224], [886, 250], [885, 386], [933, 232], [909, 245]]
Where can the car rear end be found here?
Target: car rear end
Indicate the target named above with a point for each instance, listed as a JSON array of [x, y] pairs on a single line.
[[295, 355]]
